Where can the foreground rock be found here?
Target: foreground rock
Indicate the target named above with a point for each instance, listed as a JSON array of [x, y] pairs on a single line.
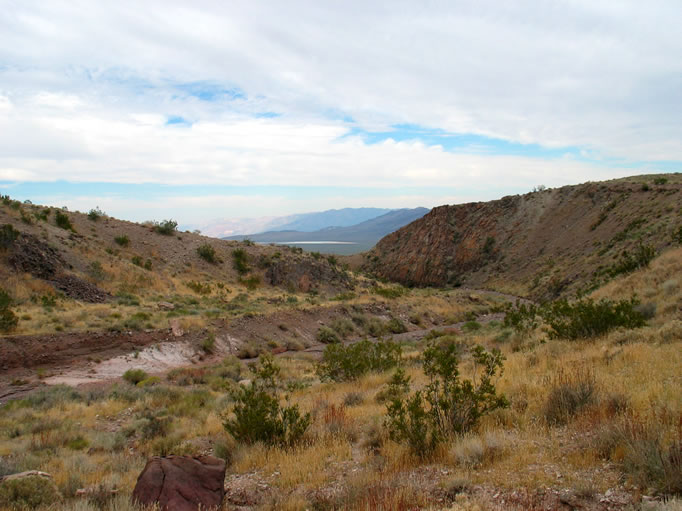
[[181, 483]]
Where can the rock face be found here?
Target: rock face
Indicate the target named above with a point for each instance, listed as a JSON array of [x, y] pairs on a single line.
[[181, 483], [304, 275], [542, 244]]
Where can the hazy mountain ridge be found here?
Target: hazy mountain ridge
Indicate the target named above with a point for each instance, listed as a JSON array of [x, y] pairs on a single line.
[[305, 222], [364, 233]]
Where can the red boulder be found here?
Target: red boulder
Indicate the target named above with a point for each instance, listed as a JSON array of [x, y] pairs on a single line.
[[181, 483]]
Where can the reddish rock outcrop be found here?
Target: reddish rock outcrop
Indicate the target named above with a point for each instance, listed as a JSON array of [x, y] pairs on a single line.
[[181, 483], [542, 244]]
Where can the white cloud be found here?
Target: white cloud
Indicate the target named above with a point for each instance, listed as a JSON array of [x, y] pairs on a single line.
[[87, 89]]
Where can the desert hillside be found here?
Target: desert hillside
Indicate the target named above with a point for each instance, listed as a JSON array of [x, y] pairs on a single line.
[[313, 387], [543, 244]]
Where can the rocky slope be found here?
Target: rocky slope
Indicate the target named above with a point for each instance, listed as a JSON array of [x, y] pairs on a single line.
[[542, 244], [92, 258]]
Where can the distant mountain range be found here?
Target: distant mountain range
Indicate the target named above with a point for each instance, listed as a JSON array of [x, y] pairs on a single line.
[[305, 222], [352, 239]]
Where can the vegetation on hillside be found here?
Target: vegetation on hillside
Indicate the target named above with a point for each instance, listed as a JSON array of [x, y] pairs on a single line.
[[368, 396]]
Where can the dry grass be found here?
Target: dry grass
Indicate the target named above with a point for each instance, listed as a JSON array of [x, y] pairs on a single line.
[[347, 460]]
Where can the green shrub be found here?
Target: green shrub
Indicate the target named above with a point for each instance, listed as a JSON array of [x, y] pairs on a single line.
[[95, 214], [390, 292], [240, 261], [167, 227], [586, 318], [122, 240], [343, 327], [522, 318], [257, 415], [135, 376], [660, 180], [449, 405], [208, 344], [8, 320], [8, 235], [374, 327], [199, 287], [62, 220], [471, 326], [395, 326], [207, 253], [251, 282], [78, 443], [327, 336], [629, 262], [96, 271], [28, 493], [349, 362]]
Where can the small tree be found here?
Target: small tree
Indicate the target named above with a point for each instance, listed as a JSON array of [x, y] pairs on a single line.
[[63, 220], [240, 261], [8, 320], [95, 214], [449, 405], [167, 227], [8, 235], [257, 413], [207, 253]]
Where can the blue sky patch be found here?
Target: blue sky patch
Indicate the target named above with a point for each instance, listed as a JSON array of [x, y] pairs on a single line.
[[175, 120], [464, 142], [209, 91]]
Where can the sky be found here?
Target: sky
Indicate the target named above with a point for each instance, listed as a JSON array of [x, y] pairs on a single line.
[[205, 109]]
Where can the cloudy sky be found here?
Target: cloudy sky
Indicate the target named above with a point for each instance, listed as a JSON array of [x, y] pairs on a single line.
[[206, 109]]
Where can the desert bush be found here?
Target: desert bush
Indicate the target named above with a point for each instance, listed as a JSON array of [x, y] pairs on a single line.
[[586, 318], [138, 261], [8, 320], [353, 399], [240, 261], [96, 271], [677, 235], [390, 292], [28, 493], [251, 282], [199, 287], [326, 335], [207, 253], [395, 326], [95, 214], [522, 317], [629, 262], [342, 326], [122, 240], [135, 376], [8, 235], [471, 326], [449, 405], [570, 393], [639, 449], [208, 344], [374, 327], [166, 227], [257, 415], [349, 362], [62, 220]]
